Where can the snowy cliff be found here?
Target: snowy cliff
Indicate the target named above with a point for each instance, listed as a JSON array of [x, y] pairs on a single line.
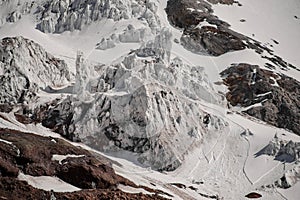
[[146, 104], [25, 67]]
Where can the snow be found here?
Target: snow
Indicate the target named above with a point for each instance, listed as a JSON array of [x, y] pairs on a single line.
[[5, 141], [264, 94], [257, 168], [60, 158], [266, 21], [225, 160], [219, 162], [292, 193], [48, 183], [205, 23], [132, 190]]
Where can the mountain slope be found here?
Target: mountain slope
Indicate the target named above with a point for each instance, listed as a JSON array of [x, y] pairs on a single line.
[[149, 93]]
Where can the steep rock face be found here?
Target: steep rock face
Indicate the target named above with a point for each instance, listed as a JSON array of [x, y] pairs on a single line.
[[56, 116], [59, 16], [24, 67], [278, 95], [37, 156]]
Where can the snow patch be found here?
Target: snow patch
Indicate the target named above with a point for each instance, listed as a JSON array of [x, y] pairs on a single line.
[[60, 158], [47, 183]]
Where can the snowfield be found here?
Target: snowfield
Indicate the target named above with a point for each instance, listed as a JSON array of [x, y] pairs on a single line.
[[223, 163]]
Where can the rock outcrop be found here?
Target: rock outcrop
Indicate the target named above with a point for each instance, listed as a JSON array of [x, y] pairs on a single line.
[[253, 195], [211, 40], [25, 67], [52, 157], [284, 151], [273, 98], [204, 33]]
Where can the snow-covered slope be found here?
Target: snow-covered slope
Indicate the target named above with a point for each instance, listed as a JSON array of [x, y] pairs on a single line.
[[126, 84]]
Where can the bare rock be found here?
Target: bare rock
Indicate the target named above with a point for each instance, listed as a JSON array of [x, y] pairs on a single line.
[[213, 38], [34, 155], [253, 195], [276, 96]]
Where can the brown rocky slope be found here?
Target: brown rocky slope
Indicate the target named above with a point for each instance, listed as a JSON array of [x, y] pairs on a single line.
[[33, 155], [278, 95]]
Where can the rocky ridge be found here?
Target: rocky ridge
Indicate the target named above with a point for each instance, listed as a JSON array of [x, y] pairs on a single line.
[[204, 33], [271, 97]]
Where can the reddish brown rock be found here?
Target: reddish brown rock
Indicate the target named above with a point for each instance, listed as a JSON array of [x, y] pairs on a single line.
[[253, 195], [32, 154], [278, 94]]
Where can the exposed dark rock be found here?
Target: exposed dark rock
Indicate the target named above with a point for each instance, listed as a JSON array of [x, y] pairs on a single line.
[[209, 196], [278, 94], [57, 116], [193, 188], [32, 154], [11, 188], [180, 16], [6, 107], [179, 185], [227, 2], [214, 40], [253, 195], [275, 41], [87, 173]]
